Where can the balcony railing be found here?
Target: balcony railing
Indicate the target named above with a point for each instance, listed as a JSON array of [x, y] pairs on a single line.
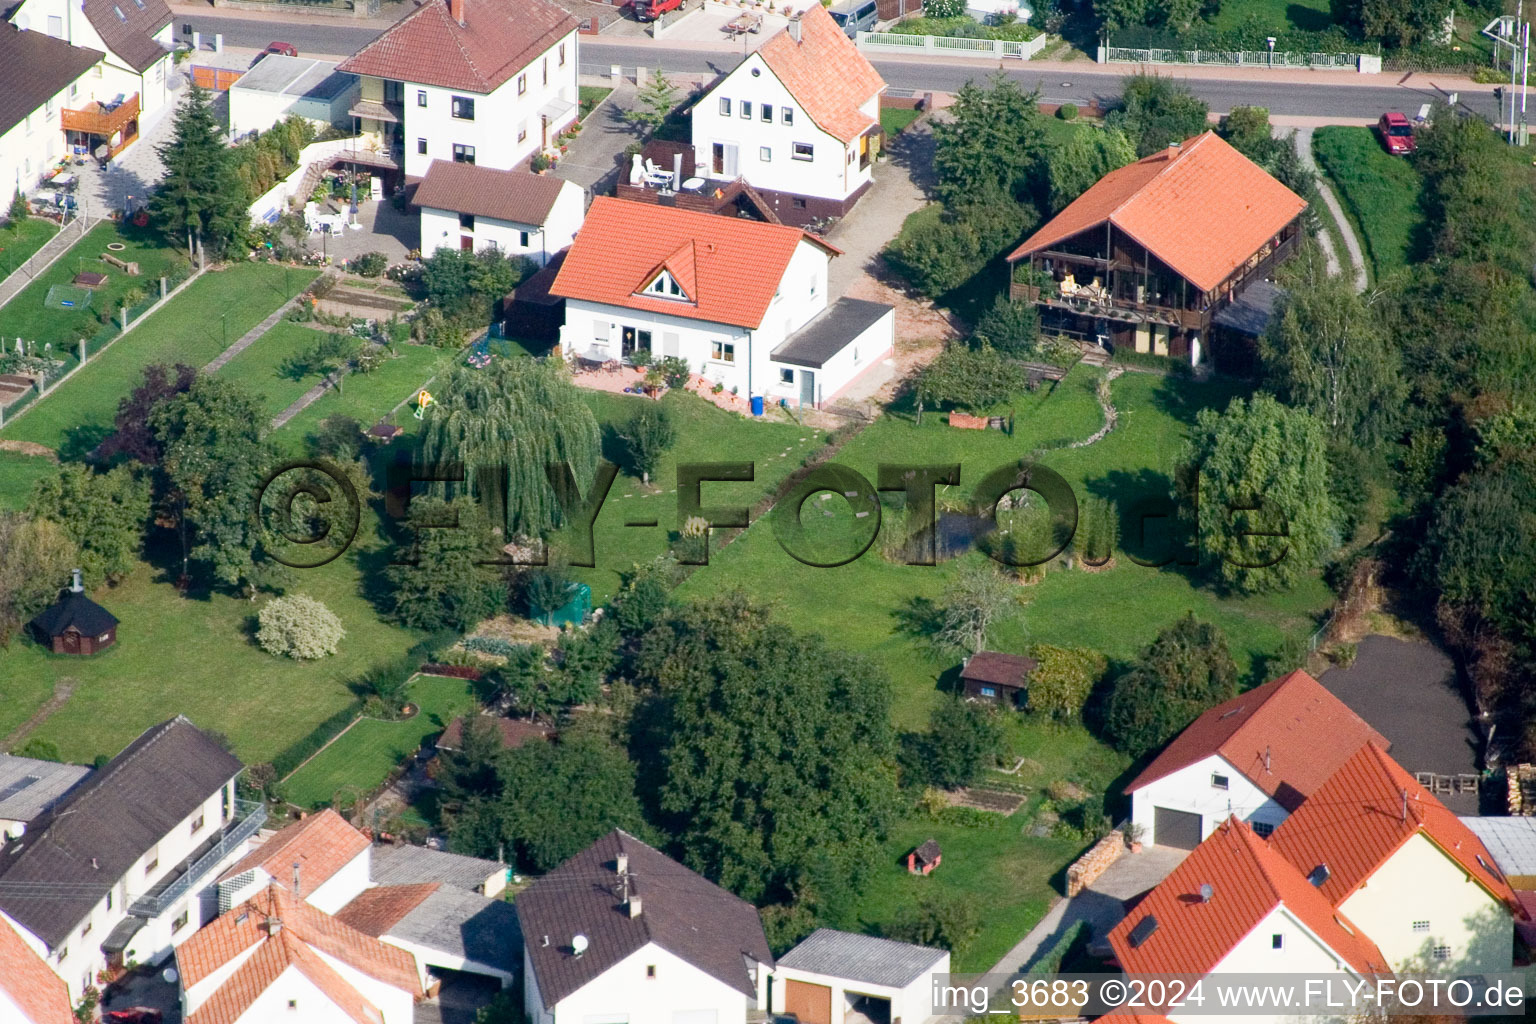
[[176, 885], [98, 119], [1113, 308]]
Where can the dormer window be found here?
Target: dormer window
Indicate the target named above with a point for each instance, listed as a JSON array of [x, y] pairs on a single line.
[[119, 12], [666, 286]]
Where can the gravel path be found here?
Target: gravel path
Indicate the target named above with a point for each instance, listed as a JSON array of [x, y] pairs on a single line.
[[1356, 257]]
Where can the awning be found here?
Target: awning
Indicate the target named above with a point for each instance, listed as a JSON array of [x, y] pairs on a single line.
[[558, 112], [373, 111], [118, 938]]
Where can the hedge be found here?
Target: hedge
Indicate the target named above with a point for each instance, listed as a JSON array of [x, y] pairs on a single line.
[[285, 763], [1164, 364], [453, 671]]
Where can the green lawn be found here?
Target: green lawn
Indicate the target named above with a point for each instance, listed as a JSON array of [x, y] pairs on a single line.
[[18, 473], [1379, 193], [197, 325], [590, 97], [361, 758], [260, 367], [196, 656], [706, 433], [19, 244], [864, 605], [894, 120], [1305, 15], [368, 397], [26, 315]]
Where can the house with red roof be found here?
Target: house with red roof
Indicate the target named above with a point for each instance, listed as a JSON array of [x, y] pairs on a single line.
[[743, 302], [1391, 857], [275, 957], [1236, 906], [799, 120], [483, 82], [1256, 757], [1154, 252], [321, 859]]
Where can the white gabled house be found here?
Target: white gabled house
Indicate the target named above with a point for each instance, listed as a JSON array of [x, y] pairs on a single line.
[[621, 932], [743, 302], [1256, 756], [321, 859], [517, 213], [135, 35], [41, 78], [799, 119], [123, 867], [485, 82]]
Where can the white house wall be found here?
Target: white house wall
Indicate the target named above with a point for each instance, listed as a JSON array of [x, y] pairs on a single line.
[[9, 1011], [252, 110], [873, 344], [63, 19], [31, 147], [624, 994], [294, 997], [440, 229], [1190, 789], [428, 957], [1420, 883], [830, 174], [342, 887], [396, 1004]]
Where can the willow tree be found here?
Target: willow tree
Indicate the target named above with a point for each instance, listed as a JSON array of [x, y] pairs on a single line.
[[505, 424]]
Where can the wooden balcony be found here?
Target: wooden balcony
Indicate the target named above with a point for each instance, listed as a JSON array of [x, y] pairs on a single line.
[[101, 120], [1113, 309]]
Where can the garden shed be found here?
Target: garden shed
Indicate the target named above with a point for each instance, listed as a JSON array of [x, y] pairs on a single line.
[[74, 624], [996, 678], [838, 977]]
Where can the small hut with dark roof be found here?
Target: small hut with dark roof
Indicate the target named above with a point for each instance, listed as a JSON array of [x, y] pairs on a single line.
[[74, 624], [996, 678], [924, 858]]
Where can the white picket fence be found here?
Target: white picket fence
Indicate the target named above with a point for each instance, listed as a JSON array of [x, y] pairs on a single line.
[[954, 46], [1365, 63]]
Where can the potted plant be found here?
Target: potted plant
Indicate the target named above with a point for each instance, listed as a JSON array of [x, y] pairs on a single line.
[[1133, 834], [539, 164]]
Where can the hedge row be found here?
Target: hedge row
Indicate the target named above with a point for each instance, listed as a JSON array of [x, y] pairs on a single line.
[[1164, 364], [284, 764], [453, 671]]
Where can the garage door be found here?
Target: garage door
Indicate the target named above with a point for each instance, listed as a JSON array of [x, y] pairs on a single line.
[[812, 1004], [1179, 829]]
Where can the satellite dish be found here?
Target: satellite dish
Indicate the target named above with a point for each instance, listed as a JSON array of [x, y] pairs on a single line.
[[170, 975], [579, 944], [1206, 892]]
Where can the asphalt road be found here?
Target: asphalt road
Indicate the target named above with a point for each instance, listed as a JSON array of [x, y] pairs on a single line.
[[1324, 100]]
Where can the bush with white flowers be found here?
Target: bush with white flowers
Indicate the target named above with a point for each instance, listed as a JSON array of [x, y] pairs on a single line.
[[298, 626]]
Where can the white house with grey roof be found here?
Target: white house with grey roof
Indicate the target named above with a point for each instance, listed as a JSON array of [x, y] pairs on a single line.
[[405, 864], [835, 977], [279, 86], [28, 787], [623, 933]]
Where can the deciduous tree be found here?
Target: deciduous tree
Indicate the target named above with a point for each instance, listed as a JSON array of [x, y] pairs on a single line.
[[444, 581], [987, 147], [1063, 679], [963, 741], [647, 436], [1155, 111], [1085, 158], [976, 599], [1012, 328], [1187, 669], [105, 514], [298, 626], [36, 557]]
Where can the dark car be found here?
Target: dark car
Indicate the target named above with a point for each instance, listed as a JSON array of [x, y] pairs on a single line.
[[1396, 133], [133, 1015], [286, 49]]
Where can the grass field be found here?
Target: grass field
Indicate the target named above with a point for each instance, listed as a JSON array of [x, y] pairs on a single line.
[[197, 325], [195, 655], [361, 758], [25, 316], [368, 397], [1379, 193], [1308, 15], [869, 605], [18, 244], [260, 367], [18, 473], [894, 120], [590, 97]]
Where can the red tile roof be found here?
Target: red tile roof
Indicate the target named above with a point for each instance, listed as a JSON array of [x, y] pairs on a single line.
[[514, 732], [1363, 814], [375, 911], [1248, 880], [1286, 737], [729, 267], [517, 196], [498, 39], [30, 983], [321, 845], [1202, 208], [245, 926], [269, 963], [826, 73]]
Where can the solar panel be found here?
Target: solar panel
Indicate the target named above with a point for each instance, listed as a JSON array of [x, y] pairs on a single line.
[[20, 784], [1143, 931]]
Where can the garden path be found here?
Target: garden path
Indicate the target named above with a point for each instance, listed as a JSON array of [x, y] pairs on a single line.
[[249, 338], [62, 690], [1303, 138]]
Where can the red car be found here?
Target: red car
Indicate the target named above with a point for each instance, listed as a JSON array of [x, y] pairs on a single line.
[[1396, 133], [286, 49], [134, 1015], [650, 10]]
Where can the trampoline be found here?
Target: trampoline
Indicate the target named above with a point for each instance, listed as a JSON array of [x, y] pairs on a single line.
[[67, 297]]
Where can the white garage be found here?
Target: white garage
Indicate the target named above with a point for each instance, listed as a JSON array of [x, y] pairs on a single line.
[[278, 86], [841, 978]]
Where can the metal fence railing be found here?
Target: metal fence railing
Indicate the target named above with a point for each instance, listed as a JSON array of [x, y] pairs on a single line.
[[956, 45], [1235, 58]]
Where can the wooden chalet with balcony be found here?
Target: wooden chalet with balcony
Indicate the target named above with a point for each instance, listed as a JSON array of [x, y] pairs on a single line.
[[1149, 255]]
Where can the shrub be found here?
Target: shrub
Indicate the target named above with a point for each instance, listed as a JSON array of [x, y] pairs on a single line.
[[1098, 530], [944, 8], [298, 626], [640, 358], [370, 264], [19, 210], [1062, 680], [675, 371], [539, 163], [302, 750], [1067, 111], [40, 750], [1010, 327]]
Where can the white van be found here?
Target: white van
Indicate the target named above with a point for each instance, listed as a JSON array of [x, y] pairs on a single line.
[[856, 17]]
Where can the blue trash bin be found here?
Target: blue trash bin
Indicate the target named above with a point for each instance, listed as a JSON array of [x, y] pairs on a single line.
[[757, 405]]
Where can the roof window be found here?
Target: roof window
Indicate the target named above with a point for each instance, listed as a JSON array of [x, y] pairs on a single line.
[[1318, 876], [1143, 931]]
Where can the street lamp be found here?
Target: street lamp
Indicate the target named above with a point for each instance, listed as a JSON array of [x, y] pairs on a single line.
[[1271, 41]]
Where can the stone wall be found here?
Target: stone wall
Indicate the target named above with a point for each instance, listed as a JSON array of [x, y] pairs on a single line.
[[1087, 868]]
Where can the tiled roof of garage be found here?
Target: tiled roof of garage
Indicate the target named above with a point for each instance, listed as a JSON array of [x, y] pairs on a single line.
[[862, 958]]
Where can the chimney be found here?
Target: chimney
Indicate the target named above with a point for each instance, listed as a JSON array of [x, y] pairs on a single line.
[[274, 925], [621, 864], [456, 11], [1266, 759], [794, 28], [634, 906], [76, 586], [297, 888]]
